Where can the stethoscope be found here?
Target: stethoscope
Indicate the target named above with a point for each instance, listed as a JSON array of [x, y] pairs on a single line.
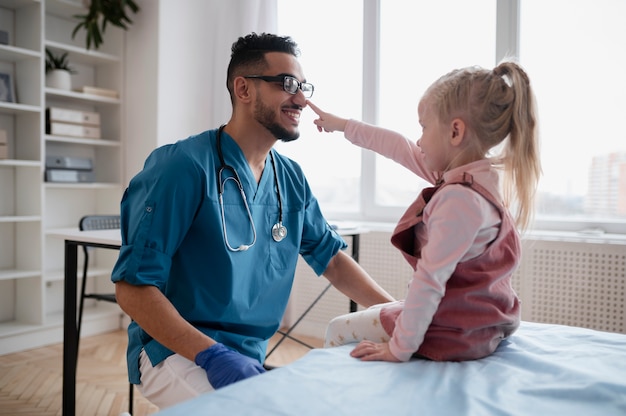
[[279, 231]]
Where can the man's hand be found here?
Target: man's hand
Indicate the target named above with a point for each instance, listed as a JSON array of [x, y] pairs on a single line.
[[224, 366]]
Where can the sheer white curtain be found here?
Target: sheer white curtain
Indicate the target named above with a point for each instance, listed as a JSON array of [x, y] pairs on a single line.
[[230, 20], [195, 37], [177, 52]]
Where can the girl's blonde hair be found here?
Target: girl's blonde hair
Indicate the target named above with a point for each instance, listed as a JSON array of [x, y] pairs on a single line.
[[496, 105]]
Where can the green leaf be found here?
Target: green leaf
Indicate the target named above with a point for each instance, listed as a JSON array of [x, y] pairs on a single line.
[[100, 13]]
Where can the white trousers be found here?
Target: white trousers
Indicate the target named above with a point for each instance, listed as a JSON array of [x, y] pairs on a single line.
[[355, 327], [172, 381]]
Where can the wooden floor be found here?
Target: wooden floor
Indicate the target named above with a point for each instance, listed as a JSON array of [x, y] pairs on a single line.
[[31, 381]]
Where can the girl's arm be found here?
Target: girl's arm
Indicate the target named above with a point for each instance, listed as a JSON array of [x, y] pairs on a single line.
[[385, 142], [327, 122]]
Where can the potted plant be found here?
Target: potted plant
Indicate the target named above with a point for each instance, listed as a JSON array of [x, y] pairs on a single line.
[[58, 71], [101, 12]]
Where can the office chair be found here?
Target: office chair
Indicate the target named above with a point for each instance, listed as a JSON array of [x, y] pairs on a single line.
[[97, 222]]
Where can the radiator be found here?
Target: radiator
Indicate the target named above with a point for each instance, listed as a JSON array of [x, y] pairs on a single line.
[[575, 283]]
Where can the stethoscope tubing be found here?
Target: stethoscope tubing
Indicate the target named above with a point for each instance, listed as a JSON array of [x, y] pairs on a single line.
[[279, 231]]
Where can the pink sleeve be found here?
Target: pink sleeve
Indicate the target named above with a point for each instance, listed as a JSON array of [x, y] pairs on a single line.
[[453, 219], [390, 144]]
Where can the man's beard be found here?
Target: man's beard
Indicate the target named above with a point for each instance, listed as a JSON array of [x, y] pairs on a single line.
[[266, 117]]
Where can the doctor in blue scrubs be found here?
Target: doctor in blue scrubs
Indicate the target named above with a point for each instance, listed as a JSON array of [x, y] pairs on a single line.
[[212, 228]]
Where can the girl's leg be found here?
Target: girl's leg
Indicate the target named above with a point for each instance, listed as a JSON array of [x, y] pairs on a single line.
[[355, 327]]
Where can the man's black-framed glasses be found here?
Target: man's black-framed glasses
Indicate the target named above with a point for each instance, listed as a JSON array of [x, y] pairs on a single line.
[[290, 84]]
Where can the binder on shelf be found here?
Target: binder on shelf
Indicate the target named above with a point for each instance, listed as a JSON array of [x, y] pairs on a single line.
[[73, 130], [67, 162], [69, 169], [69, 175], [64, 115]]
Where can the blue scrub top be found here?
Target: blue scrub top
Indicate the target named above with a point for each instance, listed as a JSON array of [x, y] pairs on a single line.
[[172, 238]]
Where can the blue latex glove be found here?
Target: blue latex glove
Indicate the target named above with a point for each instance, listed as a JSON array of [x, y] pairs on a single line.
[[224, 366]]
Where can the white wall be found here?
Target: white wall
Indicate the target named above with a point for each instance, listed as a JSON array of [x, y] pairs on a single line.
[[177, 55], [141, 93]]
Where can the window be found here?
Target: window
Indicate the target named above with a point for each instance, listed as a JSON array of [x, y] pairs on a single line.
[[419, 42], [570, 48], [574, 53], [330, 36]]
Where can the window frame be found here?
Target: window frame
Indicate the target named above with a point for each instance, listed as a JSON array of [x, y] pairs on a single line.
[[507, 45]]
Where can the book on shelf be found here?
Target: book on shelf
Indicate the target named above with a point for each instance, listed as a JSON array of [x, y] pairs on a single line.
[[103, 92]]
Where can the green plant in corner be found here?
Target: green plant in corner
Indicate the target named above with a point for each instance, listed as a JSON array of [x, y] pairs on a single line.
[[57, 62], [100, 13]]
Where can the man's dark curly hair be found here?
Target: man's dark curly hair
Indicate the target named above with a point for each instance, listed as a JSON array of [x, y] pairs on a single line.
[[248, 54]]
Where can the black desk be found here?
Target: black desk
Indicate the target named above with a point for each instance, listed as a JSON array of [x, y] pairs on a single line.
[[110, 239]]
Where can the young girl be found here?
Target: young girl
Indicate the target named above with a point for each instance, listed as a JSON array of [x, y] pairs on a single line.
[[458, 235]]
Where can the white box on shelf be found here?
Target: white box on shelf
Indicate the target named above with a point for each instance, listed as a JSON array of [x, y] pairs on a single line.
[[74, 130], [56, 114]]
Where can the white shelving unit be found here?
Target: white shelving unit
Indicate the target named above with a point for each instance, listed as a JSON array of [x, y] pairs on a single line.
[[31, 261]]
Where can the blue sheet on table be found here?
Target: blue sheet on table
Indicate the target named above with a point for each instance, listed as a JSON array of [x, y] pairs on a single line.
[[541, 370]]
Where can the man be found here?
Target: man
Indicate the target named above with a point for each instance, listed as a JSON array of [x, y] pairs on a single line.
[[206, 268]]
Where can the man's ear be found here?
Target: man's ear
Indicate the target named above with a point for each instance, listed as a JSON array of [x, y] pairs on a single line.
[[457, 127], [241, 89]]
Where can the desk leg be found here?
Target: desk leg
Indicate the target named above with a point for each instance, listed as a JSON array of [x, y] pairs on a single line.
[[70, 332], [356, 241]]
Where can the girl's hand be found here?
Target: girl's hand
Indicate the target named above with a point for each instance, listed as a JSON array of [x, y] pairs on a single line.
[[327, 122], [373, 351]]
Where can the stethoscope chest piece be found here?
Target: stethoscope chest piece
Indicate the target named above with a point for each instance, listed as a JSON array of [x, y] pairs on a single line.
[[279, 232]]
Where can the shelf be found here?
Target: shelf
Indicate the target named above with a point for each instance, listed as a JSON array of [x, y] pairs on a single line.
[[97, 319], [59, 275], [72, 95], [79, 55], [90, 142], [16, 327], [19, 218], [10, 53], [16, 4], [102, 309], [10, 274], [81, 185], [16, 108], [20, 163], [65, 8]]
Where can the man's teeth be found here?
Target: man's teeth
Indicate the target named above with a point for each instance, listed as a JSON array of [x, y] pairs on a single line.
[[293, 115]]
